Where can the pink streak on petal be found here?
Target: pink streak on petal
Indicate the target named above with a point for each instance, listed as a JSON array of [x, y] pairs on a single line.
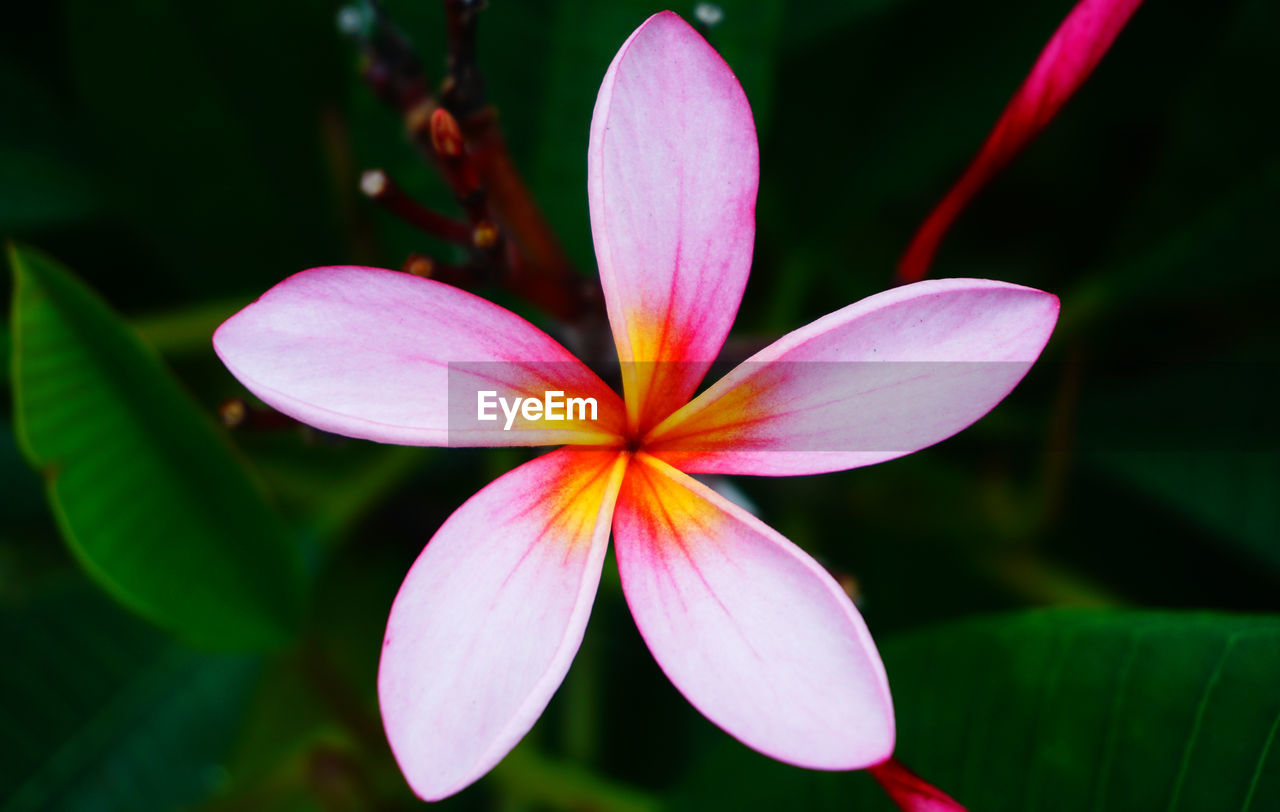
[[911, 792], [672, 171], [886, 376], [490, 616], [365, 353], [1071, 55], [747, 626]]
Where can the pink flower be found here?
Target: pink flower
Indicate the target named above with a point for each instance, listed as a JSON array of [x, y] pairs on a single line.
[[1066, 61], [749, 628]]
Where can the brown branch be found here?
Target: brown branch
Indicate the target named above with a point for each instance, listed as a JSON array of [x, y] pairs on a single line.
[[461, 276], [459, 134], [380, 189], [236, 413], [545, 274], [463, 88]]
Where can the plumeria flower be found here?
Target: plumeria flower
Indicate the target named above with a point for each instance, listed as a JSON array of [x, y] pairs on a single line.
[[755, 633]]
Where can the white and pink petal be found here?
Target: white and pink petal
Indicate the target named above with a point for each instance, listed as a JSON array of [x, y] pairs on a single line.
[[883, 377], [391, 357], [755, 634], [491, 614], [672, 170]]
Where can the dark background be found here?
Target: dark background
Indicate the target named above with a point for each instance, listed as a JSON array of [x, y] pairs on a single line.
[[182, 157]]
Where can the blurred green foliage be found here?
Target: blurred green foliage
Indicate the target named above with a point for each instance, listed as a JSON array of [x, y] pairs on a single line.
[[102, 712], [181, 158]]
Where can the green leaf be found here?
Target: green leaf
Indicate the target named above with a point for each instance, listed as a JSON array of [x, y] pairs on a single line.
[[1091, 710], [111, 715], [147, 493], [1060, 709]]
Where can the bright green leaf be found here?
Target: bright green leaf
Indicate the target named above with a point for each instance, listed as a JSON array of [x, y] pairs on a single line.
[[149, 496]]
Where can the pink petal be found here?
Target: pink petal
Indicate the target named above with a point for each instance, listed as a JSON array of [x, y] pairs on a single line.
[[1063, 65], [488, 619], [750, 629], [378, 354], [881, 378], [671, 178], [911, 792]]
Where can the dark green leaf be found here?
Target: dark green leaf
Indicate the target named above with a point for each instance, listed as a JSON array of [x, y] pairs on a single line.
[[104, 713], [1088, 710], [1060, 709], [149, 496]]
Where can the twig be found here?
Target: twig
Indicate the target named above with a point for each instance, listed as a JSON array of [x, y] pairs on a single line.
[[462, 276], [459, 134], [380, 189], [463, 88], [236, 413]]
